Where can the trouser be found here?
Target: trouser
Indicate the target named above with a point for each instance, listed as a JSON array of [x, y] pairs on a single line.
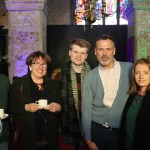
[[67, 146], [4, 146], [104, 138]]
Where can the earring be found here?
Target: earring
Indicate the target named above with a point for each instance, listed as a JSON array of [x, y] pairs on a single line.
[[30, 68]]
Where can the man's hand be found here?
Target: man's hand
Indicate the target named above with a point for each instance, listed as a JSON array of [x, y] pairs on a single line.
[[91, 145]]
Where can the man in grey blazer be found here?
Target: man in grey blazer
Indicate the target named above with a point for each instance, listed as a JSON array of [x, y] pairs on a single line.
[[105, 91]]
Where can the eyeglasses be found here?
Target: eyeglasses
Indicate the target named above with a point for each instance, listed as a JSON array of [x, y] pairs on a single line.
[[37, 64]]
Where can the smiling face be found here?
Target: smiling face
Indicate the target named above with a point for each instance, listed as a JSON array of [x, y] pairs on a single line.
[[78, 55], [38, 68], [105, 51], [142, 76]]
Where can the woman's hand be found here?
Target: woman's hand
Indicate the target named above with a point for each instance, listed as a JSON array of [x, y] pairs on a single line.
[[53, 107], [91, 145], [32, 107]]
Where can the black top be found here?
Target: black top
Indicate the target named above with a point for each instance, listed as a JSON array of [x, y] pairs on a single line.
[[23, 91], [141, 135]]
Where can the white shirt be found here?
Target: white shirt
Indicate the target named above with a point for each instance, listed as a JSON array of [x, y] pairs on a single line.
[[110, 80]]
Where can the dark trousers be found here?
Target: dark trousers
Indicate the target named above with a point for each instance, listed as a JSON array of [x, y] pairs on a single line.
[[105, 139], [67, 146]]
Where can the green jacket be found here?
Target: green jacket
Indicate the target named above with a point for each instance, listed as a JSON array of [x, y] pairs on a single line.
[[4, 88]]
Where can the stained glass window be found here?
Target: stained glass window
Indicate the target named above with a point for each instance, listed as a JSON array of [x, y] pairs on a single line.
[[101, 12], [123, 16], [111, 10]]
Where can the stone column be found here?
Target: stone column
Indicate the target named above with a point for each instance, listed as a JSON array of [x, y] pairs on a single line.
[[138, 13], [27, 32]]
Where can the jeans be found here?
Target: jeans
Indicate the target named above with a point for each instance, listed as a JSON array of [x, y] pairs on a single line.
[[4, 146], [104, 138]]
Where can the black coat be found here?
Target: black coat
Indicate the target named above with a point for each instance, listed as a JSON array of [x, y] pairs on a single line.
[[142, 126], [27, 130]]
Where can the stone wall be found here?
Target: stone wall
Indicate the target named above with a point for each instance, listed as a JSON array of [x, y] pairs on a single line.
[[139, 27], [27, 32], [59, 12]]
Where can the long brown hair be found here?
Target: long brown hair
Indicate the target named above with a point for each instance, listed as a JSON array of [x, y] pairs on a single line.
[[133, 86]]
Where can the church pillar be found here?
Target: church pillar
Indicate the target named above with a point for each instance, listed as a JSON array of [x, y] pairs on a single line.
[[138, 14], [26, 32]]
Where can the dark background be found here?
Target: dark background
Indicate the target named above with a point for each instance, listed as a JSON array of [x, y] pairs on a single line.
[[3, 51], [59, 36]]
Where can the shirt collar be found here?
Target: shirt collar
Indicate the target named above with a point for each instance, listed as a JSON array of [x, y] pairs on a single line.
[[102, 68]]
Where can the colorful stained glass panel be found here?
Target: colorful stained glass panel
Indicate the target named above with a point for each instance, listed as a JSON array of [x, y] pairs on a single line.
[[105, 12]]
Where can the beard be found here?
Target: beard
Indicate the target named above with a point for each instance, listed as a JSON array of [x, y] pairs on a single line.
[[105, 63]]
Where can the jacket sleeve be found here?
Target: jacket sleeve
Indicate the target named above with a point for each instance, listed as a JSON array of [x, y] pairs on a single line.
[[16, 105], [87, 106], [4, 89]]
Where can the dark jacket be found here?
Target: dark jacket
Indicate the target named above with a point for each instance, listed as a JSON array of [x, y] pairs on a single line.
[[4, 88], [70, 124], [142, 126], [27, 131]]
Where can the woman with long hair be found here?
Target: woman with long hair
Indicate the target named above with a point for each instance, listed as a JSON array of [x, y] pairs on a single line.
[[135, 127]]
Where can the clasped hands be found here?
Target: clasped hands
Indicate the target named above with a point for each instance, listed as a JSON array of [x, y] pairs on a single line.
[[52, 107]]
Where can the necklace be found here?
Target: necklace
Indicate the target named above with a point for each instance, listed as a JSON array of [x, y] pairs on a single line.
[[40, 86]]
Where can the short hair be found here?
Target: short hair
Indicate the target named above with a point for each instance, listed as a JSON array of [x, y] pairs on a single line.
[[133, 86], [106, 37], [80, 42], [36, 55]]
